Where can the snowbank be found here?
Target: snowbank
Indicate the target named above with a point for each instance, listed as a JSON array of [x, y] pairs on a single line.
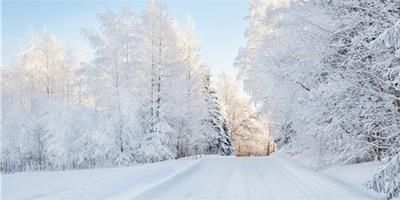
[[91, 183], [356, 174]]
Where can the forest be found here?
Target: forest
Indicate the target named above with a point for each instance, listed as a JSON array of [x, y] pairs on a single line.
[[147, 96], [316, 77]]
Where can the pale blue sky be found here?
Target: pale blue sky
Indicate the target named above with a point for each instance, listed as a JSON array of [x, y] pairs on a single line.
[[220, 24]]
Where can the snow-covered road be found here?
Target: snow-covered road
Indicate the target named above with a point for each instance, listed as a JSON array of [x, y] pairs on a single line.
[[208, 178], [250, 178]]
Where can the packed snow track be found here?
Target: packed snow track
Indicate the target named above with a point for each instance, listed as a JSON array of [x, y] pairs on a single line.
[[206, 178]]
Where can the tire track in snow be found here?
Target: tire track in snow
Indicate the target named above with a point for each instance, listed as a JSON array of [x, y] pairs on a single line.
[[162, 185]]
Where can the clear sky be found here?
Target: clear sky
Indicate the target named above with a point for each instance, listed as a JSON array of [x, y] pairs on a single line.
[[220, 24]]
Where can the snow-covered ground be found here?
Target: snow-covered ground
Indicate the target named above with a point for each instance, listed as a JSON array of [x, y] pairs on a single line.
[[356, 174], [210, 177]]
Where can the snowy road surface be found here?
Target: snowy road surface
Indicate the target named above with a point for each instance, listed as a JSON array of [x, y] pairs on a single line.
[[208, 178]]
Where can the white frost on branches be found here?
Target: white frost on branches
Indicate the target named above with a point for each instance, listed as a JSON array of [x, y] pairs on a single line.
[[390, 38]]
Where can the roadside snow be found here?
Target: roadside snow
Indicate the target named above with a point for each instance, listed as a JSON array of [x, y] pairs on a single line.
[[88, 184], [353, 175], [356, 174]]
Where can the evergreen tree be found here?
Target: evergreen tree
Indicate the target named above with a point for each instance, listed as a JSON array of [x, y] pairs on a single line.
[[221, 140]]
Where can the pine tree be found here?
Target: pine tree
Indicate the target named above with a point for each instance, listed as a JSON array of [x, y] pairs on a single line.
[[221, 140]]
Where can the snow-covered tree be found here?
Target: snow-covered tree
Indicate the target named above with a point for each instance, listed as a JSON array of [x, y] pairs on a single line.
[[387, 178], [163, 67], [37, 84], [220, 139], [358, 110], [110, 78], [284, 62], [193, 134]]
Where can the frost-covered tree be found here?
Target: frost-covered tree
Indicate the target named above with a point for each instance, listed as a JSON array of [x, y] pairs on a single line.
[[358, 112], [193, 133], [254, 33], [162, 67], [37, 84], [285, 62], [387, 178], [110, 78]]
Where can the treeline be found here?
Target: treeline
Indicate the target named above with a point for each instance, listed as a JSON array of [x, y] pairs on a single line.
[[328, 76], [145, 97]]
